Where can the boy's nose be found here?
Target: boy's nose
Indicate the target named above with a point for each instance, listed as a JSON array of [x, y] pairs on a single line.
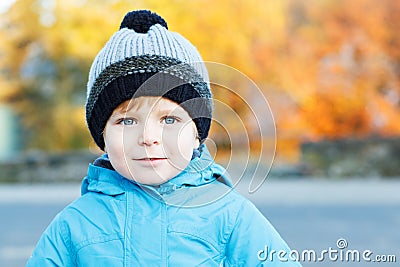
[[148, 141], [150, 136]]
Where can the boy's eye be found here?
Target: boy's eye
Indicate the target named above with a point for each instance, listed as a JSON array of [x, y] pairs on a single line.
[[127, 121], [169, 120]]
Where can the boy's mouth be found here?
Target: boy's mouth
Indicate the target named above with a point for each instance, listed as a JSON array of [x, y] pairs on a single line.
[[150, 159], [150, 162]]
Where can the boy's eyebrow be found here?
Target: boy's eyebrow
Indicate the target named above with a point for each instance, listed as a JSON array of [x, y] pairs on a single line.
[[119, 114], [159, 111], [171, 111]]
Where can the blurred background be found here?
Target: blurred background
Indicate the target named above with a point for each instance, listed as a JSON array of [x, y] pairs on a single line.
[[330, 70]]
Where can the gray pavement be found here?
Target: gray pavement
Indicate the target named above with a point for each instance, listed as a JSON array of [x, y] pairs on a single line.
[[310, 214]]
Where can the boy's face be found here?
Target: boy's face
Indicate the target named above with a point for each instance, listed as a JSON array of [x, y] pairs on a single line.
[[150, 139]]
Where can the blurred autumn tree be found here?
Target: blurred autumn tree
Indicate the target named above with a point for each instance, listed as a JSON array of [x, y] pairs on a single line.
[[45, 55], [352, 50], [330, 68]]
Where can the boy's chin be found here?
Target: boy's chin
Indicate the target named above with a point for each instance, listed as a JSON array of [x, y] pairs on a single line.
[[152, 181], [151, 176]]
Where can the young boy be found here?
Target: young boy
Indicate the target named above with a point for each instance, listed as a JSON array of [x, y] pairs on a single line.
[[156, 198]]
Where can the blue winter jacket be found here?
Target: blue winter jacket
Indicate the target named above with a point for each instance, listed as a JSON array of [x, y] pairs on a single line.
[[192, 220]]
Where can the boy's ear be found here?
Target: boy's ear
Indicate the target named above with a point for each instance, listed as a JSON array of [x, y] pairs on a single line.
[[104, 137], [197, 143]]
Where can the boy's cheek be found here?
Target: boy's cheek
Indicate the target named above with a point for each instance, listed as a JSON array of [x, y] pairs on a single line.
[[120, 137], [116, 145]]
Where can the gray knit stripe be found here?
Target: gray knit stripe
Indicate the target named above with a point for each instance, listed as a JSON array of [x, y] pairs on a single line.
[[139, 45], [157, 40], [125, 51], [167, 43], [129, 46], [112, 53], [143, 52], [154, 33], [178, 44], [120, 52], [164, 44], [154, 39], [150, 45], [110, 49], [135, 52]]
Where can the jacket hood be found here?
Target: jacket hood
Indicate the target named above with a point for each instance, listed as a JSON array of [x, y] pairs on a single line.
[[200, 171]]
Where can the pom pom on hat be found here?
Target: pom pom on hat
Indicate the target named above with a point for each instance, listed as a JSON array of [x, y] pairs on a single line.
[[141, 20]]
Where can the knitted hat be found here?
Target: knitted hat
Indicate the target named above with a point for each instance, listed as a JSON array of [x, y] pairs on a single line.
[[144, 58]]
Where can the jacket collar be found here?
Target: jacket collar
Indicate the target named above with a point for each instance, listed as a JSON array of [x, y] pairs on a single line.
[[200, 171]]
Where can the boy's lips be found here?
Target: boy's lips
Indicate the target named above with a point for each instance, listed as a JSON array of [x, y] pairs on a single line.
[[150, 161]]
